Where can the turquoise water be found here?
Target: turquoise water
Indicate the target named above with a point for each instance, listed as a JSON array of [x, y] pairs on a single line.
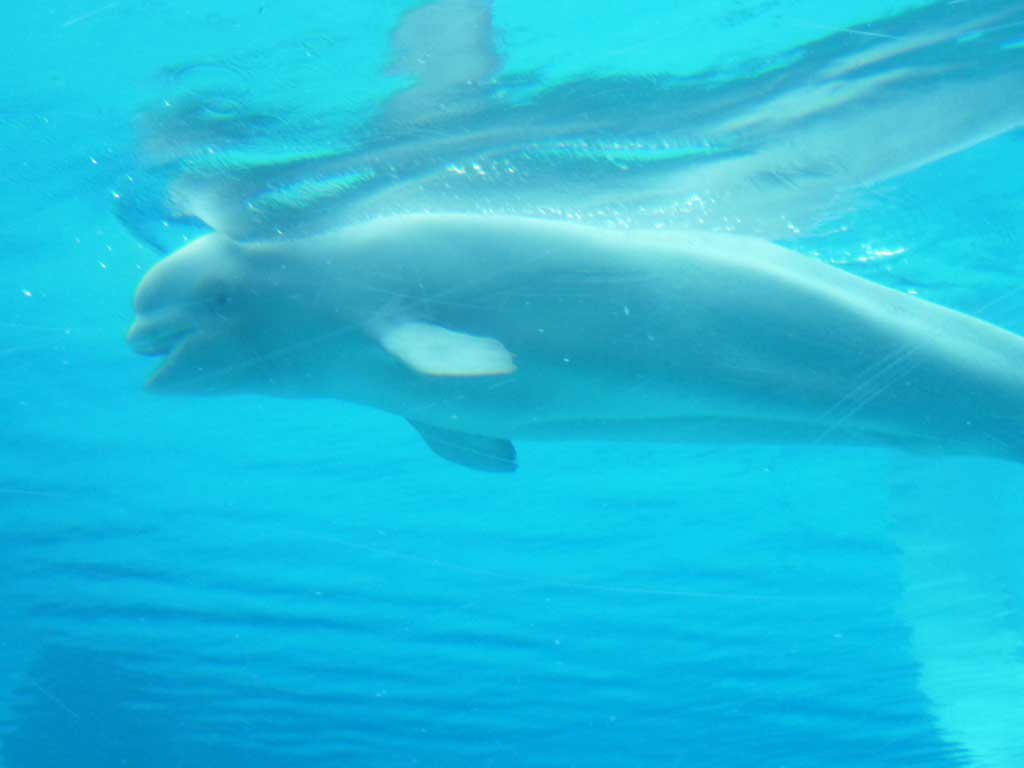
[[245, 580]]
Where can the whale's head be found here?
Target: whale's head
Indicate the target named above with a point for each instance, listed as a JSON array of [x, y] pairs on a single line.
[[194, 310]]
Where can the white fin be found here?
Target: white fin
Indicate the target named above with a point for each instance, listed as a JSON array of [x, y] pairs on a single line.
[[436, 351]]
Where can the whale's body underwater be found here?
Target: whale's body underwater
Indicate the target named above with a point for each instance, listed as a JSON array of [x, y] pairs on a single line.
[[484, 329]]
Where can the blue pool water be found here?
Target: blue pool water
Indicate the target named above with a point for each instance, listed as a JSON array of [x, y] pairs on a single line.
[[251, 581]]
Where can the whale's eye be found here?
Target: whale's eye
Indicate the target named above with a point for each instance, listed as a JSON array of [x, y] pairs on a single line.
[[217, 295]]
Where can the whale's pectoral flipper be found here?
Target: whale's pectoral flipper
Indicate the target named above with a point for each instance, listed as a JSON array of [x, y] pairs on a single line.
[[487, 454], [436, 351]]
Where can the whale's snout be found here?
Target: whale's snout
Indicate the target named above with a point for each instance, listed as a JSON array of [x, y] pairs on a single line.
[[187, 313], [152, 338]]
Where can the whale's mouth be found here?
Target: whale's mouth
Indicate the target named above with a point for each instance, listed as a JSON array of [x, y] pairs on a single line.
[[167, 374], [156, 343], [160, 340]]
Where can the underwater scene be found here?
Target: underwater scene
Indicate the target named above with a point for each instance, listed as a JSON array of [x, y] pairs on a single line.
[[476, 383]]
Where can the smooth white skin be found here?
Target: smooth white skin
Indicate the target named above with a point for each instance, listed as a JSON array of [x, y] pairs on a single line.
[[616, 335]]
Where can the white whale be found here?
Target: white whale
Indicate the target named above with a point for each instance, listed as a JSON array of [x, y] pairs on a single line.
[[483, 329]]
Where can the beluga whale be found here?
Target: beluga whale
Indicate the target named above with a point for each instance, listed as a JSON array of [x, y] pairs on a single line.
[[482, 330], [486, 330]]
